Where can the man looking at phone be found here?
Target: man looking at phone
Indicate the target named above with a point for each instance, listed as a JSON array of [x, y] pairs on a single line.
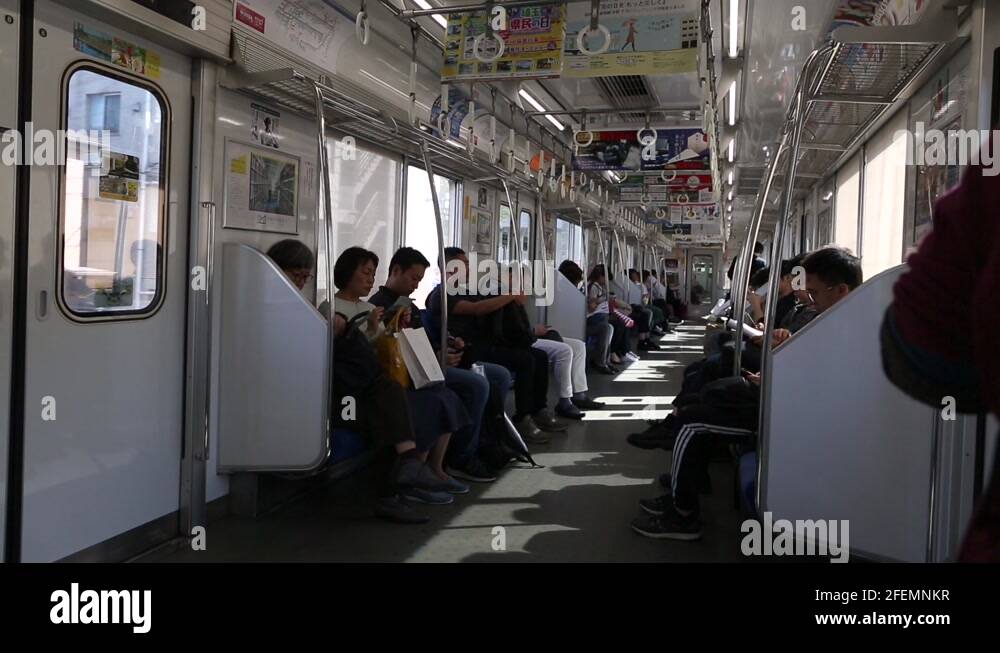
[[406, 271]]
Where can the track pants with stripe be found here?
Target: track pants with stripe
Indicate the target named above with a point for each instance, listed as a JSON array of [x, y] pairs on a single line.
[[699, 428]]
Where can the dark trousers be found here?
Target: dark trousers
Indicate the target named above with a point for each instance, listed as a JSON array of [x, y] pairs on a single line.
[[530, 366], [619, 340], [643, 318], [699, 429]]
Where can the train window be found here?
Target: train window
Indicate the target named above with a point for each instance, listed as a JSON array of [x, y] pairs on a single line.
[[885, 193], [113, 190], [525, 232], [421, 232], [364, 195], [845, 221], [569, 241]]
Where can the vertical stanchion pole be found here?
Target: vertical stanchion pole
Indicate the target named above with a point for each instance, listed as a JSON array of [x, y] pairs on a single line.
[[796, 117], [441, 262], [323, 169]]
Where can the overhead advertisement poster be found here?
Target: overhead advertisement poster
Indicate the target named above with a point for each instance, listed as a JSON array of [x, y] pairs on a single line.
[[679, 148], [634, 37], [532, 45], [458, 109], [310, 29], [669, 187]]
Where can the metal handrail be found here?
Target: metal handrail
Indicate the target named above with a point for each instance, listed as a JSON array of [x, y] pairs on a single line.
[[741, 279], [793, 131], [443, 353]]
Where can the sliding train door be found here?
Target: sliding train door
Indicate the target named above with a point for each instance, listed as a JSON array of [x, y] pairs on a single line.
[[9, 48], [106, 292]]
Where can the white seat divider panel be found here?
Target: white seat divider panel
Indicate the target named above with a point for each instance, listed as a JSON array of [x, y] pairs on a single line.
[[273, 369]]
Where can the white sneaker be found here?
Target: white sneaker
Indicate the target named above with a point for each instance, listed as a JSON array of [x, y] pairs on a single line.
[[632, 356]]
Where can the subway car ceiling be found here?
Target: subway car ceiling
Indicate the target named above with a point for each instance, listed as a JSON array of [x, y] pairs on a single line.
[[556, 132]]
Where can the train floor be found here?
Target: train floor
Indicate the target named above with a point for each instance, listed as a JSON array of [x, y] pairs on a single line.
[[576, 508]]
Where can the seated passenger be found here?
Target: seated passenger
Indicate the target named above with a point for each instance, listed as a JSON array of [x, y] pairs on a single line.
[[436, 411], [649, 319], [604, 302], [598, 323], [568, 357], [468, 314], [729, 412], [393, 427], [406, 271]]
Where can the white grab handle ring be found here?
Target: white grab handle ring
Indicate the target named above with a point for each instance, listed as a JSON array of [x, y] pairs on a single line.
[[510, 162], [362, 28], [540, 178], [673, 175], [606, 43], [501, 46], [576, 138], [645, 141], [442, 123], [682, 198], [660, 214]]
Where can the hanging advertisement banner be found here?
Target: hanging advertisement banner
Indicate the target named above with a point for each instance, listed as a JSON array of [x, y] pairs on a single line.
[[682, 187], [531, 45], [458, 109], [680, 148], [634, 37], [675, 214]]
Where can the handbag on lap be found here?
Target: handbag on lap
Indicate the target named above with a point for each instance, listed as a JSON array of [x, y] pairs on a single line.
[[355, 363]]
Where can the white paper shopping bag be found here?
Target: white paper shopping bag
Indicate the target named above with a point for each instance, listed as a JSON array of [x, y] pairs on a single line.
[[421, 362]]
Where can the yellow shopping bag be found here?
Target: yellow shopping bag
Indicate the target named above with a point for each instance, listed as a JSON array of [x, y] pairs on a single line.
[[390, 356]]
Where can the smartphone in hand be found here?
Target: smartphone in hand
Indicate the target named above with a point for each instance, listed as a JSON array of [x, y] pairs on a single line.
[[400, 304]]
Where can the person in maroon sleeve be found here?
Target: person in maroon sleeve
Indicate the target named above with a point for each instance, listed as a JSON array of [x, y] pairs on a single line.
[[939, 336]]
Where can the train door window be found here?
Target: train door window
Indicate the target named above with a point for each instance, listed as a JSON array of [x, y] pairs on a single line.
[[845, 221], [525, 232], [569, 241], [421, 232], [364, 194], [505, 253], [884, 198], [112, 209]]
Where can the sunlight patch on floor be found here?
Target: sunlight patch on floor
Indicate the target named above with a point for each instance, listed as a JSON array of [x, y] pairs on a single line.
[[513, 502], [636, 400]]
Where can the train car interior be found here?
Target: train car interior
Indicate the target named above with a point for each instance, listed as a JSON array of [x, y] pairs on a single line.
[[484, 281]]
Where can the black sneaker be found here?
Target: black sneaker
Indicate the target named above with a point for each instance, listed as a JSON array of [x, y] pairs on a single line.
[[546, 422], [473, 470], [668, 526], [659, 505], [529, 432], [395, 510], [573, 412], [655, 437]]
